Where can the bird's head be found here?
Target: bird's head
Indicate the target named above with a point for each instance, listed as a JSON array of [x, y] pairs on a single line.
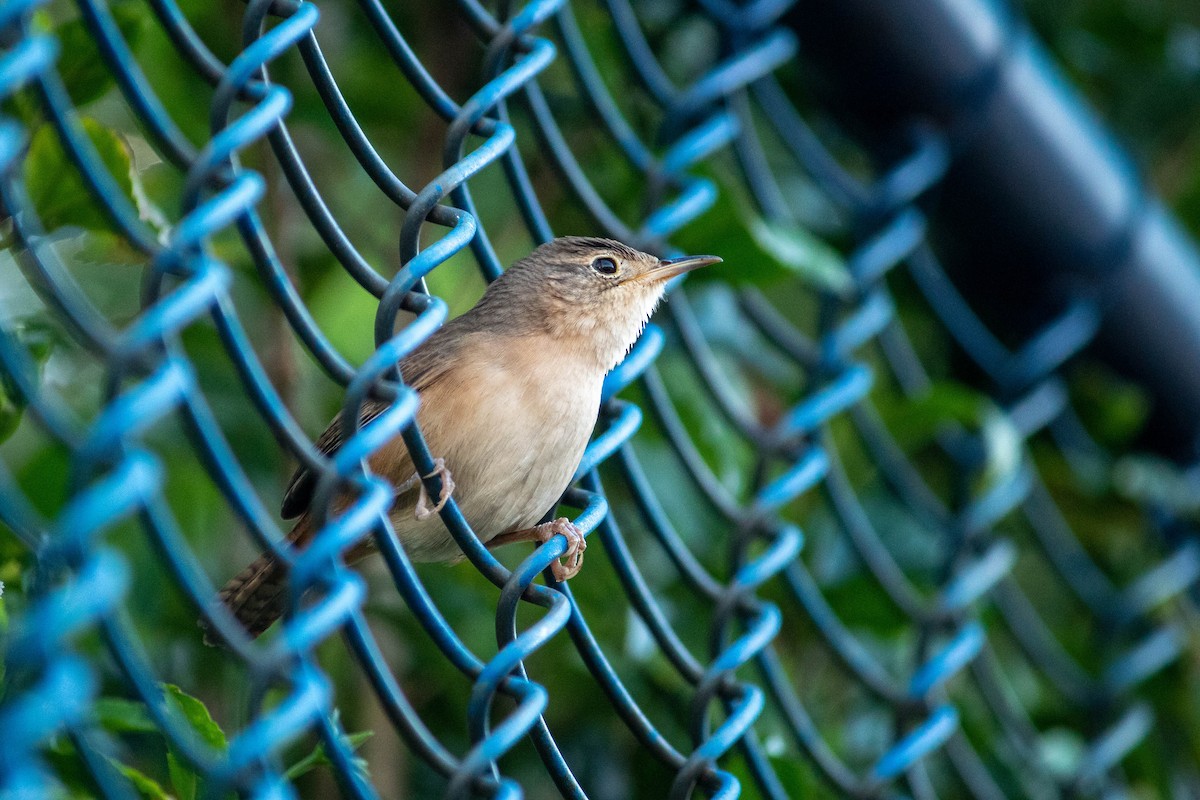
[[595, 294]]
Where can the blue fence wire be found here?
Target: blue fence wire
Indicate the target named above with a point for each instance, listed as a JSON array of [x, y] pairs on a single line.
[[948, 720]]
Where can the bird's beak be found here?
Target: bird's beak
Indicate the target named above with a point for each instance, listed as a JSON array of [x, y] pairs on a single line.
[[670, 267]]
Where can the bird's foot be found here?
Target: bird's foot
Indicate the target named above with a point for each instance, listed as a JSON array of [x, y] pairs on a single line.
[[423, 510], [572, 560]]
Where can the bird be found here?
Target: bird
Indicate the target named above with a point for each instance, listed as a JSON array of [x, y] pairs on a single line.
[[509, 395]]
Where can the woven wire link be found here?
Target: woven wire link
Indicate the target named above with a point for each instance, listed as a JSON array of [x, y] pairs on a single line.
[[947, 721]]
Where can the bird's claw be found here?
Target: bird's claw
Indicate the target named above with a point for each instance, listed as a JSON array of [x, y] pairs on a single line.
[[423, 510], [572, 561]]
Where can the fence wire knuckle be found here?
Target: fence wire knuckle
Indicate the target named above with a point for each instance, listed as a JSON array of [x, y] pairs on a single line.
[[946, 721]]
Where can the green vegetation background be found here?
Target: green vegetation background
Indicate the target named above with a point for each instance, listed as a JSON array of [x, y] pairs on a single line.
[[1137, 60]]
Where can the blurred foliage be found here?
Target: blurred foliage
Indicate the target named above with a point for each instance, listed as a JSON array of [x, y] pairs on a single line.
[[947, 407], [762, 252], [38, 337], [83, 72], [56, 188], [1138, 60], [150, 763]]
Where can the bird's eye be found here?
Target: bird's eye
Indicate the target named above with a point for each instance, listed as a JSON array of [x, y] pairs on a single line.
[[605, 265]]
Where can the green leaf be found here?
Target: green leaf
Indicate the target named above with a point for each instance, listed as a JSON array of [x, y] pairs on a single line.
[[183, 778], [39, 336], [810, 258], [124, 716], [39, 339], [55, 186], [146, 786], [196, 715], [80, 65], [318, 757]]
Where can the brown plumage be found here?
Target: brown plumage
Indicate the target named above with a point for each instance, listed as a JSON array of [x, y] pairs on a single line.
[[509, 395]]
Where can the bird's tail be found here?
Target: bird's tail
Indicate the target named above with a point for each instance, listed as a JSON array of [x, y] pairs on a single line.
[[257, 595]]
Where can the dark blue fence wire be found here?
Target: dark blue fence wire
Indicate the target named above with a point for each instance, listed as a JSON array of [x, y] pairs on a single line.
[[948, 720]]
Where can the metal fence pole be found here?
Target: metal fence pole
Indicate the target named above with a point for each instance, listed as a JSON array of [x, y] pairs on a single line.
[[1043, 200]]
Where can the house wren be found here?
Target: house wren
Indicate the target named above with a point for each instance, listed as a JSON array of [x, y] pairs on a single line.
[[509, 395]]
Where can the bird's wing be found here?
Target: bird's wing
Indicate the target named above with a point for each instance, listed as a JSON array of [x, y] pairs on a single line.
[[423, 368], [304, 480]]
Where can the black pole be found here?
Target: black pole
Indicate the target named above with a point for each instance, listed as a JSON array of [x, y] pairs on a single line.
[[1040, 202]]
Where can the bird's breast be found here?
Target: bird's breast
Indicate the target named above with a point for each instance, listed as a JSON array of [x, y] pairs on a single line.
[[512, 426]]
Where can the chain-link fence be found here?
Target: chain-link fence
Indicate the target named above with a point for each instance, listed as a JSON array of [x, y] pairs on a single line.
[[817, 567]]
